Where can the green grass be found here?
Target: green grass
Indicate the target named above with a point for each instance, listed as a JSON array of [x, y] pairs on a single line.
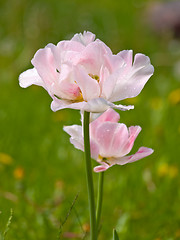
[[141, 200]]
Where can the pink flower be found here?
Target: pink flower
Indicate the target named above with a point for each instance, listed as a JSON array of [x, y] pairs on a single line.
[[110, 141], [84, 74]]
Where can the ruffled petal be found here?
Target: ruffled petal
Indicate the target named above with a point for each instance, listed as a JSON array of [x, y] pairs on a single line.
[[109, 84], [45, 65], [85, 38], [127, 56], [92, 57], [130, 83], [30, 77], [119, 106], [56, 54]]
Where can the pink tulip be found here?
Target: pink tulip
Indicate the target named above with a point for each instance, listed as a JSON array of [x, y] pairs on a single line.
[[110, 141], [82, 73]]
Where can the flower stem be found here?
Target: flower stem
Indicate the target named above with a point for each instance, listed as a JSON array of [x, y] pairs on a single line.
[[93, 230], [99, 199]]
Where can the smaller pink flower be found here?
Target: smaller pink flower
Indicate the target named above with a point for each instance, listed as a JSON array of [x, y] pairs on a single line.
[[110, 141]]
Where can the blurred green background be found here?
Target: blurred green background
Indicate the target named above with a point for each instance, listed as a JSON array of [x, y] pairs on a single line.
[[40, 171]]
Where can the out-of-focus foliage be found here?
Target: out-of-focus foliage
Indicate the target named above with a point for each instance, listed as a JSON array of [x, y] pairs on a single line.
[[41, 173]]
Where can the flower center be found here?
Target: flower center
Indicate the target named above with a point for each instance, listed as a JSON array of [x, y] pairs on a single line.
[[94, 76], [103, 159]]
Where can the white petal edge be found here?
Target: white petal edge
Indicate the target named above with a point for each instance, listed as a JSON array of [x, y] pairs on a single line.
[[96, 105], [30, 77]]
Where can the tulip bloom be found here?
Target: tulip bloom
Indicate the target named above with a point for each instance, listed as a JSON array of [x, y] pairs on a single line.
[[84, 74], [110, 141]]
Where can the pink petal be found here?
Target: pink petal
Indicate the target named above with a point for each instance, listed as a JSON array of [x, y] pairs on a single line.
[[85, 38], [30, 77], [101, 168], [56, 54], [69, 51], [113, 62], [132, 82], [89, 86], [109, 84], [104, 135], [133, 133], [94, 149], [92, 57], [44, 63], [127, 55], [119, 140], [103, 75], [68, 90], [108, 116], [69, 46], [141, 153]]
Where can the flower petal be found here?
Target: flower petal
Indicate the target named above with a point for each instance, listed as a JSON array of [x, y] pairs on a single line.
[[109, 84], [141, 153], [56, 54], [133, 133], [92, 57], [127, 55], [58, 104], [119, 140], [108, 116], [89, 86], [98, 105], [75, 131], [101, 168], [30, 77], [94, 149], [44, 63], [132, 82], [107, 135], [85, 38]]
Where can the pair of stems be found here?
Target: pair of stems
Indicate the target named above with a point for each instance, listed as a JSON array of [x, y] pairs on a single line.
[[94, 214]]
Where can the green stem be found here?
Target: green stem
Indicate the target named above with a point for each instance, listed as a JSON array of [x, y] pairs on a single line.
[[93, 231], [99, 198]]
